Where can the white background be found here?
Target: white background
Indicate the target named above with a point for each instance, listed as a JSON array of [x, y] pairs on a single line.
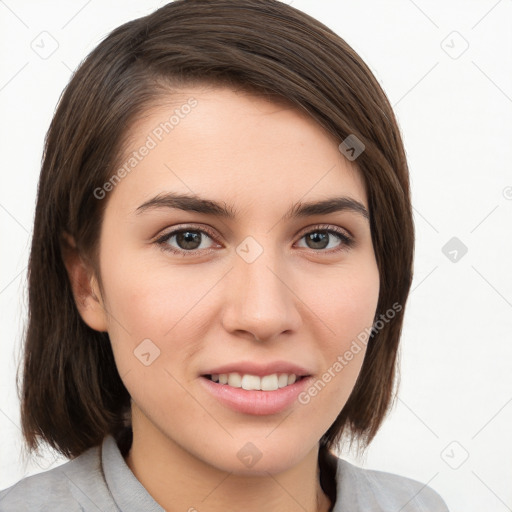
[[455, 113]]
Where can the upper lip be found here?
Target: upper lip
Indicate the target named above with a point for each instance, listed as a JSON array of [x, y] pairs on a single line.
[[259, 369]]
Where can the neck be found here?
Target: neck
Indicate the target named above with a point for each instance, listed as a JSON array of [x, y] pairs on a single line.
[[177, 480]]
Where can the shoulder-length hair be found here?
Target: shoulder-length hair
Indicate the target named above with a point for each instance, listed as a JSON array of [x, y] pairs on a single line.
[[71, 394]]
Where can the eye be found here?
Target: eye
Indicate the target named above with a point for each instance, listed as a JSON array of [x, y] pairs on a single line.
[[185, 240], [327, 239]]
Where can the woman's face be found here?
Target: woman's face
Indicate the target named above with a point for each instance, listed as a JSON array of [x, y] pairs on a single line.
[[214, 262]]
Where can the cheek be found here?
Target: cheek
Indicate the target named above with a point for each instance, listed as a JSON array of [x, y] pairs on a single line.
[[344, 301], [150, 309], [347, 306], [350, 314], [149, 297]]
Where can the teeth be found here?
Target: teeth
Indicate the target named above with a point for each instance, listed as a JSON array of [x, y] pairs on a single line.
[[250, 382], [282, 380], [269, 382], [235, 380]]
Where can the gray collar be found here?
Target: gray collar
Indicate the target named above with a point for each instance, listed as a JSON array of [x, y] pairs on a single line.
[[127, 492]]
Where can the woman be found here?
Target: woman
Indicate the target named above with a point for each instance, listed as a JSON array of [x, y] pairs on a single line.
[[221, 258]]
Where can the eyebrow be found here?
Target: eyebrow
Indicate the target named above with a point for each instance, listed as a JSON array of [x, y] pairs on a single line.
[[192, 203]]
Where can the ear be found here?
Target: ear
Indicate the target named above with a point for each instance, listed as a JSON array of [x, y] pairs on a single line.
[[84, 285]]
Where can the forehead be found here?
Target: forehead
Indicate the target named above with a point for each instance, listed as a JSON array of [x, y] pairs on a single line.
[[232, 145]]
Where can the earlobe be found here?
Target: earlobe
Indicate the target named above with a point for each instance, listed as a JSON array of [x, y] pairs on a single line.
[[84, 285]]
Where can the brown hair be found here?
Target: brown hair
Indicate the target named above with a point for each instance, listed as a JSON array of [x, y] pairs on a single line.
[[72, 395]]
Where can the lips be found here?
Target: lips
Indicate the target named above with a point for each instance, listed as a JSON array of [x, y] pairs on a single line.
[[256, 401], [256, 388]]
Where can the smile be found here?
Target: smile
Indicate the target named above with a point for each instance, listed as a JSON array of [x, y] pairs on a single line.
[[248, 382]]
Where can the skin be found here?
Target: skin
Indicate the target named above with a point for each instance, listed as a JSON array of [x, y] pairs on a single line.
[[295, 302]]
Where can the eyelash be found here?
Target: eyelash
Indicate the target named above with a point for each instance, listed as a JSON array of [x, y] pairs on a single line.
[[346, 241]]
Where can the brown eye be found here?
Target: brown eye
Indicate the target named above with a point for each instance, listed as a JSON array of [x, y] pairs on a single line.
[[327, 240], [188, 240], [317, 240], [185, 240]]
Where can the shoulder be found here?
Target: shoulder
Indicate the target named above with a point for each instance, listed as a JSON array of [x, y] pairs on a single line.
[[367, 489], [73, 486]]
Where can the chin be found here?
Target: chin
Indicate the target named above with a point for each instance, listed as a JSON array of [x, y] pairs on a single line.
[[258, 458]]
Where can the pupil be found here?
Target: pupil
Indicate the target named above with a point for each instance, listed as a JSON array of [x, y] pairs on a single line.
[[188, 239], [319, 239]]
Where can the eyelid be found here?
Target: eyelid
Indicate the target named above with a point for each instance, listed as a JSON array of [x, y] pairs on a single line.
[[326, 227]]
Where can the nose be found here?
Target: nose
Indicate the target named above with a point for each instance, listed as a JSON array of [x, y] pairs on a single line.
[[260, 302]]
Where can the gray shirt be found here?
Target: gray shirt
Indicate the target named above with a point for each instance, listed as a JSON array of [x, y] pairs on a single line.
[[100, 480]]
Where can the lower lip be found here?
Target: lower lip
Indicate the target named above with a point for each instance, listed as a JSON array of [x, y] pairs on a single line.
[[254, 401]]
